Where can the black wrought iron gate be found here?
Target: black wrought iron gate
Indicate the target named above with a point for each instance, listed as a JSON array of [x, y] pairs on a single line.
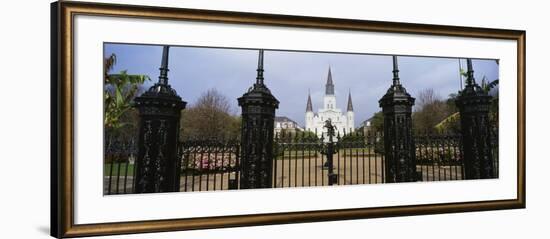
[[303, 159]]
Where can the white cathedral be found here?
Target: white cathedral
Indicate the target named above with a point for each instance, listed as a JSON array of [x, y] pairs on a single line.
[[344, 122]]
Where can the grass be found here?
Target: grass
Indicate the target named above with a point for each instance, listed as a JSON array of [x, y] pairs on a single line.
[[116, 166]]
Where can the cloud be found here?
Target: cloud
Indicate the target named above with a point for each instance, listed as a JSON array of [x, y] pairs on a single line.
[[289, 75]]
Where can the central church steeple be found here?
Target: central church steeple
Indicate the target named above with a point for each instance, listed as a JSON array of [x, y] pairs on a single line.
[[315, 122], [329, 87]]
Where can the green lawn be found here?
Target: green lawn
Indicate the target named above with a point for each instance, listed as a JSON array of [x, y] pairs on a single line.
[[116, 166]]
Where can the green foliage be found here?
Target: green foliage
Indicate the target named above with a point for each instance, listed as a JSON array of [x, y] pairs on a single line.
[[377, 122], [376, 128], [451, 102], [298, 136], [119, 91], [353, 137], [449, 124], [235, 126], [493, 110], [122, 168], [304, 142], [309, 135]]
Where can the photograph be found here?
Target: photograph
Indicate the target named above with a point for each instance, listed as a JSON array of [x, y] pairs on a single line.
[[170, 118], [274, 119], [201, 118]]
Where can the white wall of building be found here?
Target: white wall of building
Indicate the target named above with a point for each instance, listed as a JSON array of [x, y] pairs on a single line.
[[344, 122], [315, 122]]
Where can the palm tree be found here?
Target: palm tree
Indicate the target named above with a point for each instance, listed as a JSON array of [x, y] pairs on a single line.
[[119, 91]]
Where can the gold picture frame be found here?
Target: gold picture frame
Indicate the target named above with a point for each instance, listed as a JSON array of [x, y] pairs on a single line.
[[62, 160]]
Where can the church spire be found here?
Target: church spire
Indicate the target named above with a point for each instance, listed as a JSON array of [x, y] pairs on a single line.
[[329, 87], [350, 104], [309, 107]]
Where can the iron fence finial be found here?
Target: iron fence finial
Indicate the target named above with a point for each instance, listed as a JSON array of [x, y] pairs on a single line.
[[260, 70], [163, 77], [470, 80], [395, 71]]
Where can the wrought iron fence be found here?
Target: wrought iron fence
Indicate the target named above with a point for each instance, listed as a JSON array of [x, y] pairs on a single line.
[[439, 157], [494, 143], [300, 160], [119, 167], [295, 155], [209, 165]]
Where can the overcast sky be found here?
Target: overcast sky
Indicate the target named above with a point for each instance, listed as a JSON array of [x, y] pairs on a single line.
[[289, 75]]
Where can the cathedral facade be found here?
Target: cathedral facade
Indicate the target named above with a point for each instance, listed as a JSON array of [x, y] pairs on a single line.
[[344, 121]]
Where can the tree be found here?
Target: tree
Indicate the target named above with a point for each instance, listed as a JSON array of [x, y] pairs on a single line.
[[308, 135], [426, 97], [430, 111], [301, 136], [119, 92], [451, 102], [210, 117], [377, 122], [234, 128], [452, 122], [352, 137], [449, 124], [377, 128], [491, 88]]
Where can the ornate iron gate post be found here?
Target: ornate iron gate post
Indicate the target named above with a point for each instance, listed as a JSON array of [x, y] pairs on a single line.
[[399, 147], [258, 116], [159, 109], [473, 104]]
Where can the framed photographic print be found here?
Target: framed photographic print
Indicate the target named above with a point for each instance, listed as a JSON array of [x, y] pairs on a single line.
[[172, 119]]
